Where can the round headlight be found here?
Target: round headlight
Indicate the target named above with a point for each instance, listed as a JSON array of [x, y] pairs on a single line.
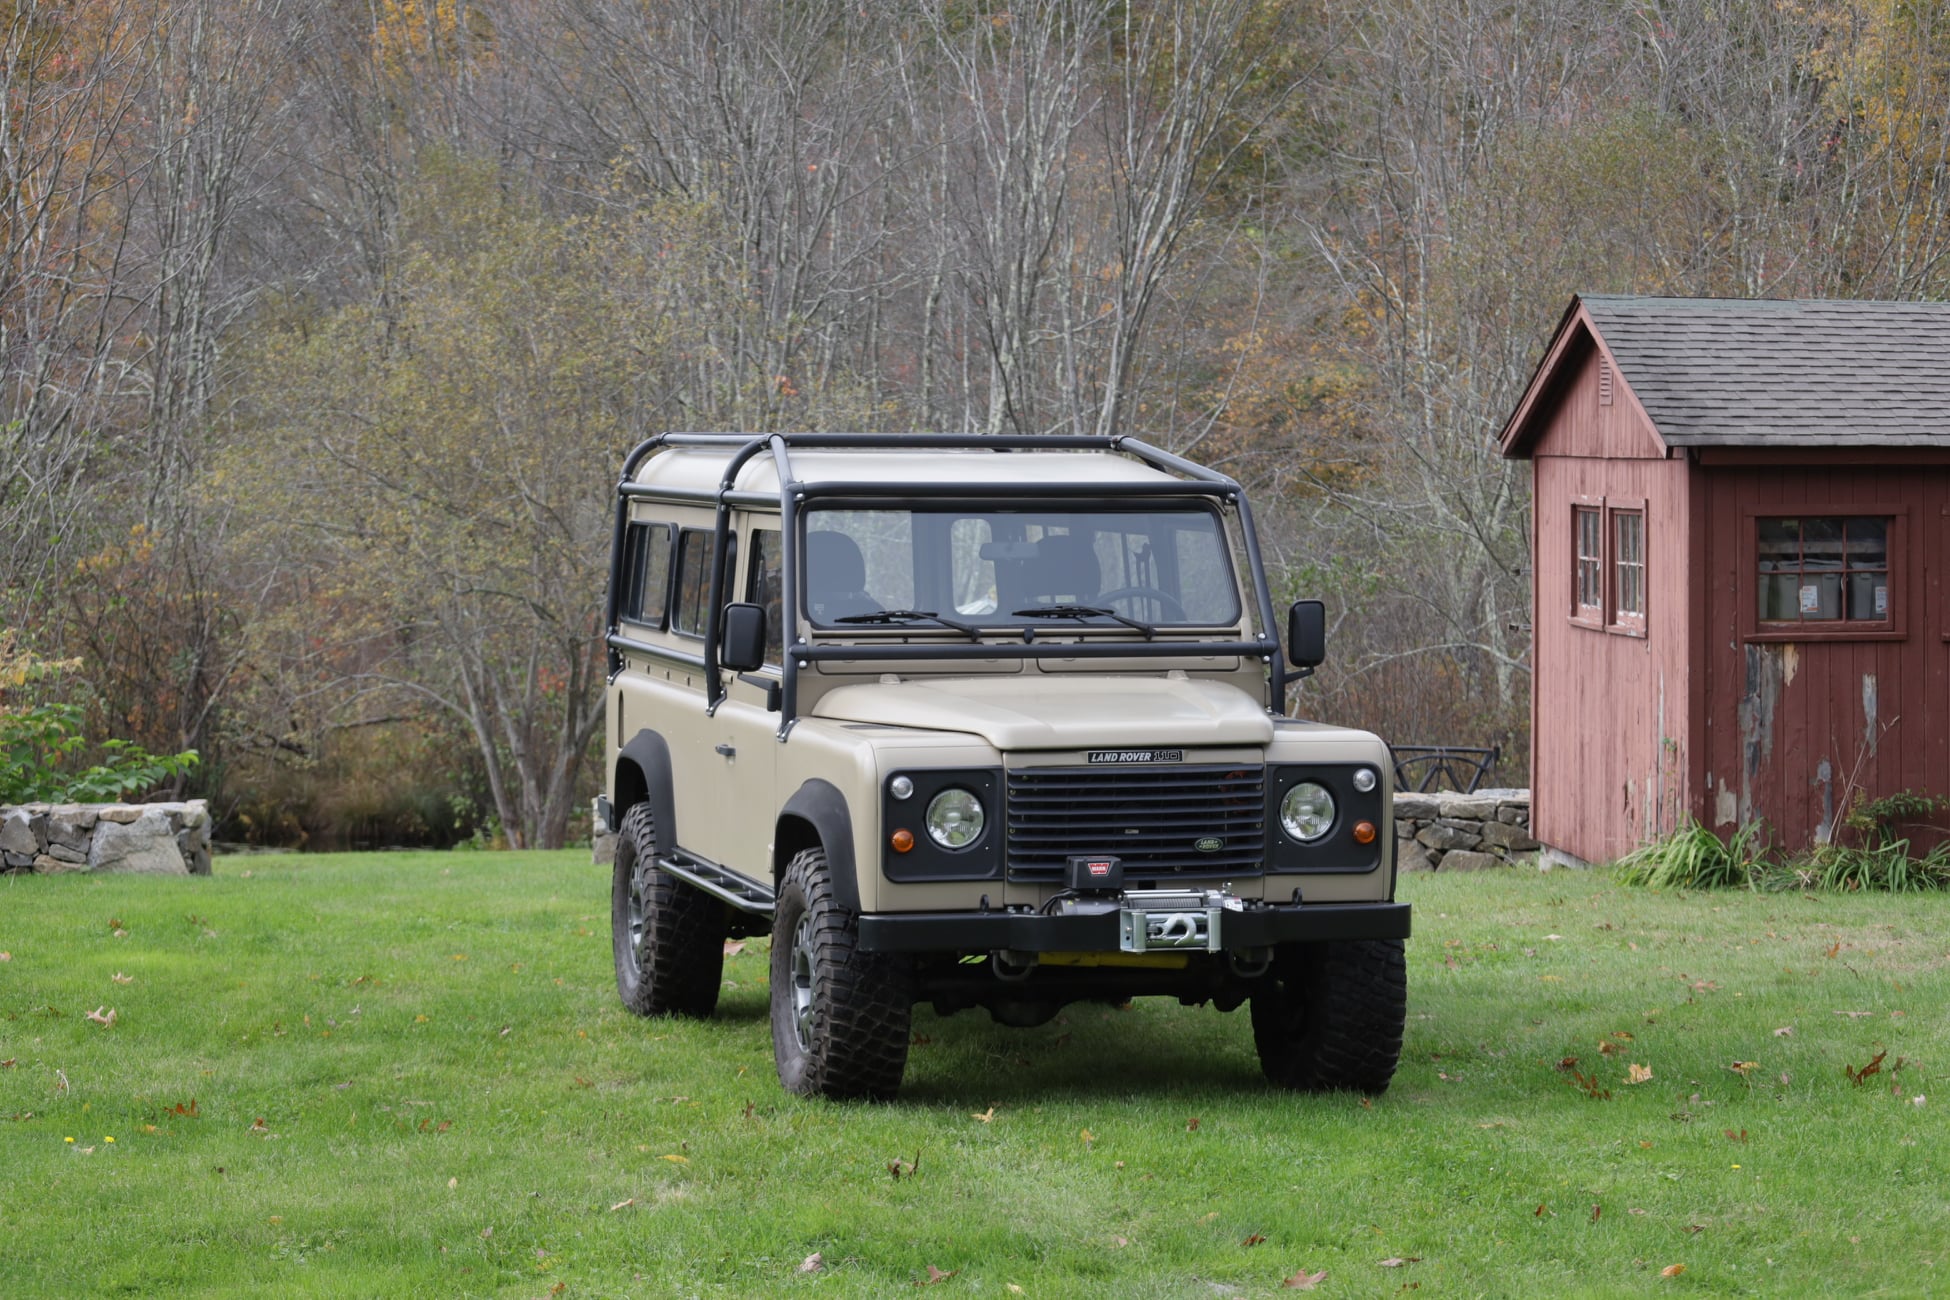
[[954, 818], [1307, 812], [1364, 779]]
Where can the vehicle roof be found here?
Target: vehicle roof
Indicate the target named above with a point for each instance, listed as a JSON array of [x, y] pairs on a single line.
[[695, 468]]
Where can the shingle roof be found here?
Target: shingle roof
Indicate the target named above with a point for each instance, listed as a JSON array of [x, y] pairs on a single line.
[[1733, 372]]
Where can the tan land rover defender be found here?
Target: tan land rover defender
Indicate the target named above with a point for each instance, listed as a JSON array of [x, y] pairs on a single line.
[[981, 721]]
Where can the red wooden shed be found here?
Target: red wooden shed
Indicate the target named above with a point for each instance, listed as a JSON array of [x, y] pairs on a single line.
[[1741, 521]]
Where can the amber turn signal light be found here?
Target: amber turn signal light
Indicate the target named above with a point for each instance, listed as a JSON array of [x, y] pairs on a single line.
[[904, 840], [1364, 832]]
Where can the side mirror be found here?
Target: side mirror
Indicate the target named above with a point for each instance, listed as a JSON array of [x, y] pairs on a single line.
[[742, 647], [1306, 635]]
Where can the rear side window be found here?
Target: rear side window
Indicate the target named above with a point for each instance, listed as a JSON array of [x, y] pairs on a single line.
[[644, 596], [694, 551]]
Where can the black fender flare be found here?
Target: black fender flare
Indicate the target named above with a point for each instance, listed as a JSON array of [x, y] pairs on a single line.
[[819, 805], [642, 775]]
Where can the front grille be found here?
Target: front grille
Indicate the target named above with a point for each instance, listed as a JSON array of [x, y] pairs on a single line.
[[1151, 818]]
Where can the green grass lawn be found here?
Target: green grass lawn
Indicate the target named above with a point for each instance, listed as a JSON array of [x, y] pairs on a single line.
[[407, 1073]]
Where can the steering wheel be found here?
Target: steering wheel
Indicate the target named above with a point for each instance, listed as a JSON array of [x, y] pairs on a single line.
[[1172, 608]]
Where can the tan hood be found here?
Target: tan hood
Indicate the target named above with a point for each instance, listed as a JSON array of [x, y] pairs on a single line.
[[1017, 712]]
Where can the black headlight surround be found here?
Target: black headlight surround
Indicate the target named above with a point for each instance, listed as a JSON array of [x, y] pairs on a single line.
[[1336, 851], [927, 862]]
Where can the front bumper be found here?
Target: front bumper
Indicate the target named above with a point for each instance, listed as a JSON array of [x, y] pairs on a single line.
[[1256, 927]]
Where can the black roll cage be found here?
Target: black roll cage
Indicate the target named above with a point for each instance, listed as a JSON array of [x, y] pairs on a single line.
[[1198, 481]]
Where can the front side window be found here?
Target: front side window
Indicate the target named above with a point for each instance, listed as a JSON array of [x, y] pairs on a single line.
[[1165, 566], [764, 587], [1588, 566], [1823, 569]]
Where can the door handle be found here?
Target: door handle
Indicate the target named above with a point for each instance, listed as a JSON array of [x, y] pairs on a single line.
[[728, 751]]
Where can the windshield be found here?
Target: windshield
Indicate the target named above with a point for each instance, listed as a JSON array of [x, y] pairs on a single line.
[[1164, 566]]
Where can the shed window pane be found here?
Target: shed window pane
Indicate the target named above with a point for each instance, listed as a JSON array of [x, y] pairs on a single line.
[[1589, 566], [1629, 565], [1823, 569]]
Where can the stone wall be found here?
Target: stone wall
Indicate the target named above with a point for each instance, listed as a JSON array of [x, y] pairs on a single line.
[[169, 839], [1462, 832]]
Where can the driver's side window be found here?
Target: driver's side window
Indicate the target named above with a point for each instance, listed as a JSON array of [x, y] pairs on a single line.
[[764, 586]]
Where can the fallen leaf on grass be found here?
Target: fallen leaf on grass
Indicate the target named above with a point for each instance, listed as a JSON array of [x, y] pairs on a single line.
[[1732, 1136], [812, 1263], [1012, 1288], [6, 956], [1399, 1262], [1541, 1210], [1209, 1217], [1743, 1068], [1191, 1125], [1253, 1240], [1636, 1073], [103, 1020], [676, 1159], [622, 1205], [1855, 1015], [120, 978], [1672, 1270], [188, 1112], [452, 1183], [1596, 1212], [1568, 1063], [1606, 1048], [1834, 948], [984, 1116], [898, 1166], [1785, 1031], [1874, 1067], [1120, 1242], [1588, 1084], [936, 1275], [1304, 1281], [732, 947]]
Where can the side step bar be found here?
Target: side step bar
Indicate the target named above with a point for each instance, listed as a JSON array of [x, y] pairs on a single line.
[[745, 895]]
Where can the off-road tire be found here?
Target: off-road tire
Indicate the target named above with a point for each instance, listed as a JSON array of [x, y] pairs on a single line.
[[668, 936], [840, 1016], [1331, 1015]]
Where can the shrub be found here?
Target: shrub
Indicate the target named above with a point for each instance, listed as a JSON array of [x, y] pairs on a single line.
[[1870, 851], [42, 742], [39, 746], [1696, 858], [1880, 857]]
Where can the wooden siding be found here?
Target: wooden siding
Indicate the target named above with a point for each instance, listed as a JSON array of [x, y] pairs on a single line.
[[1612, 714], [1792, 725]]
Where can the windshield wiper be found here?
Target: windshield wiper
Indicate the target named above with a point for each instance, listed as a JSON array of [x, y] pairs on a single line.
[[912, 616], [1082, 612]]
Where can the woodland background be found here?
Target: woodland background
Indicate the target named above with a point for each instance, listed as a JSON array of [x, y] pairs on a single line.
[[324, 324]]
